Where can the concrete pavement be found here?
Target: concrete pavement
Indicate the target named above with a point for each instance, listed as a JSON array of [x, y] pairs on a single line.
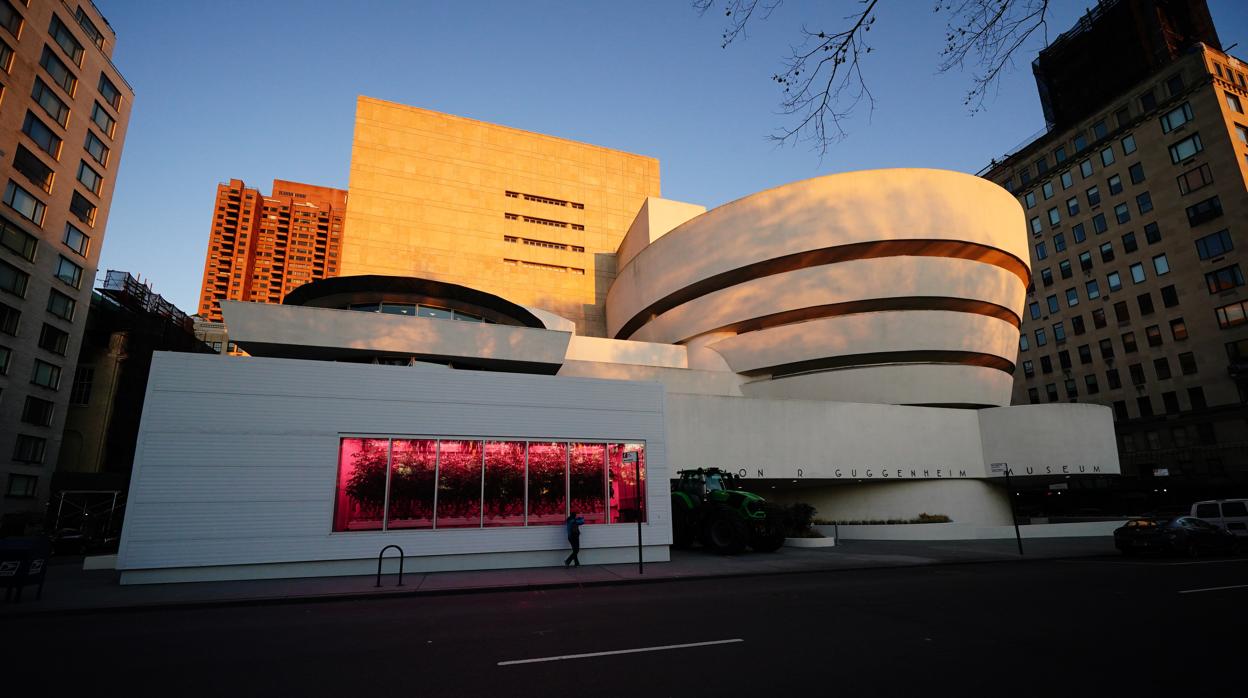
[[69, 589]]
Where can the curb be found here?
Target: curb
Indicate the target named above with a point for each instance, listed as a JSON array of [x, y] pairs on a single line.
[[466, 591]]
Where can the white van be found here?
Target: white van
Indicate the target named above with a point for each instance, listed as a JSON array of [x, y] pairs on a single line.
[[1230, 514]]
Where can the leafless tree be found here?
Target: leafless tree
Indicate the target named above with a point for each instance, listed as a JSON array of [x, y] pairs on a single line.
[[822, 77]]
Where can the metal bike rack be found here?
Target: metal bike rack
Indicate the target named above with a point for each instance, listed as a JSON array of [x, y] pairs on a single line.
[[382, 554]]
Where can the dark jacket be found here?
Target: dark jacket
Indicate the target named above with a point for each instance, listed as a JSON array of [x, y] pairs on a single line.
[[573, 524]]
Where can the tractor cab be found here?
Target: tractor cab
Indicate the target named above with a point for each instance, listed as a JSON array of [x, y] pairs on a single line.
[[715, 506]]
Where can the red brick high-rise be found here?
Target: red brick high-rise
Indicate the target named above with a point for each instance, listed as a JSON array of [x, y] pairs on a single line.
[[263, 247]]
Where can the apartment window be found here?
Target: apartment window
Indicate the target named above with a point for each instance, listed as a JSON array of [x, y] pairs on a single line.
[[1059, 336], [46, 375], [1137, 273], [1041, 251], [1063, 360], [1137, 374], [1023, 344], [101, 118], [1094, 196], [1241, 132], [1085, 169], [69, 272], [1066, 179], [1170, 400], [96, 148], [1196, 396], [1214, 244], [1128, 144], [1059, 243], [1114, 281], [1152, 233], [1146, 303], [1072, 391], [1144, 202], [58, 71], [1112, 379], [9, 317], [1050, 391], [1042, 166], [1029, 369], [1187, 363], [1047, 190], [1034, 309], [1195, 178], [1085, 354], [1232, 103], [10, 19], [1046, 365], [1052, 301], [1186, 148], [1122, 314], [1024, 177], [1162, 367], [1033, 396], [1128, 243], [76, 240], [82, 207], [21, 486], [1076, 324], [1176, 117], [89, 27], [1046, 276], [37, 411], [24, 203], [89, 177], [1232, 315], [80, 392], [1085, 261], [61, 305], [1204, 211], [1107, 348], [1107, 252], [1098, 223], [1178, 329], [1072, 206], [33, 168], [109, 92], [1077, 232], [13, 280], [1059, 155], [1029, 199], [1224, 279], [1107, 157], [1090, 381], [1169, 296], [1099, 130], [1041, 338], [51, 105], [53, 339], [29, 449], [43, 136], [1054, 218], [1161, 265], [63, 38], [1036, 226], [1064, 268], [1144, 405], [1148, 102], [1122, 214], [1072, 297], [1115, 185], [6, 57], [1093, 289]]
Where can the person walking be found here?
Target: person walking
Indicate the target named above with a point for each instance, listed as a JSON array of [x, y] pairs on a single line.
[[573, 524]]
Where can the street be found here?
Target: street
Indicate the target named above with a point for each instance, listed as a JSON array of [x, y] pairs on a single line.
[[1093, 626]]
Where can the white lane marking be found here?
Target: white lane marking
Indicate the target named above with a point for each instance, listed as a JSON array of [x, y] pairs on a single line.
[[659, 648], [1197, 591]]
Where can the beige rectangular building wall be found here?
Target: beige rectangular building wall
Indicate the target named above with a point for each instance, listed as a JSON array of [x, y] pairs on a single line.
[[529, 217]]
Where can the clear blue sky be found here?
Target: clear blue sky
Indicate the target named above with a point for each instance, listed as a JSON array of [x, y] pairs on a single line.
[[257, 91]]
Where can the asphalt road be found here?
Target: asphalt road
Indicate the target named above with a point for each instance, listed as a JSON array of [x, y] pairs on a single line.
[[1106, 627]]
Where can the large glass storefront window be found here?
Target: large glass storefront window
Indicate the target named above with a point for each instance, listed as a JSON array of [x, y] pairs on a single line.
[[587, 482], [413, 471], [626, 493], [361, 501], [503, 499], [548, 483], [459, 484], [434, 483]]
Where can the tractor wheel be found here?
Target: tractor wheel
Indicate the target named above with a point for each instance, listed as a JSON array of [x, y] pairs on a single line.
[[725, 533], [768, 541], [683, 532]]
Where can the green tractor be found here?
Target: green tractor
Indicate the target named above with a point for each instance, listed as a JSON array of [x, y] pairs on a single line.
[[712, 507]]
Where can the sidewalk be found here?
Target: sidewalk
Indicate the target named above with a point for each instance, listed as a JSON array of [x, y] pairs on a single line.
[[69, 589]]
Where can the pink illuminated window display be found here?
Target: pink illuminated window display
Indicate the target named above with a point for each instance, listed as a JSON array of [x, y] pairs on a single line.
[[503, 498], [429, 483], [625, 494]]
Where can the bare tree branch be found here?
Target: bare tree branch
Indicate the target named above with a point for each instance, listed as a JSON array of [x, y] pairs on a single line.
[[822, 78]]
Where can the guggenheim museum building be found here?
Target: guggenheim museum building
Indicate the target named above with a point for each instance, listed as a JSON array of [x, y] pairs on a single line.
[[517, 313]]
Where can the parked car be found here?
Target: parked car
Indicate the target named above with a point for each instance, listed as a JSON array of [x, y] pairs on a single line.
[[1229, 514], [1183, 534]]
